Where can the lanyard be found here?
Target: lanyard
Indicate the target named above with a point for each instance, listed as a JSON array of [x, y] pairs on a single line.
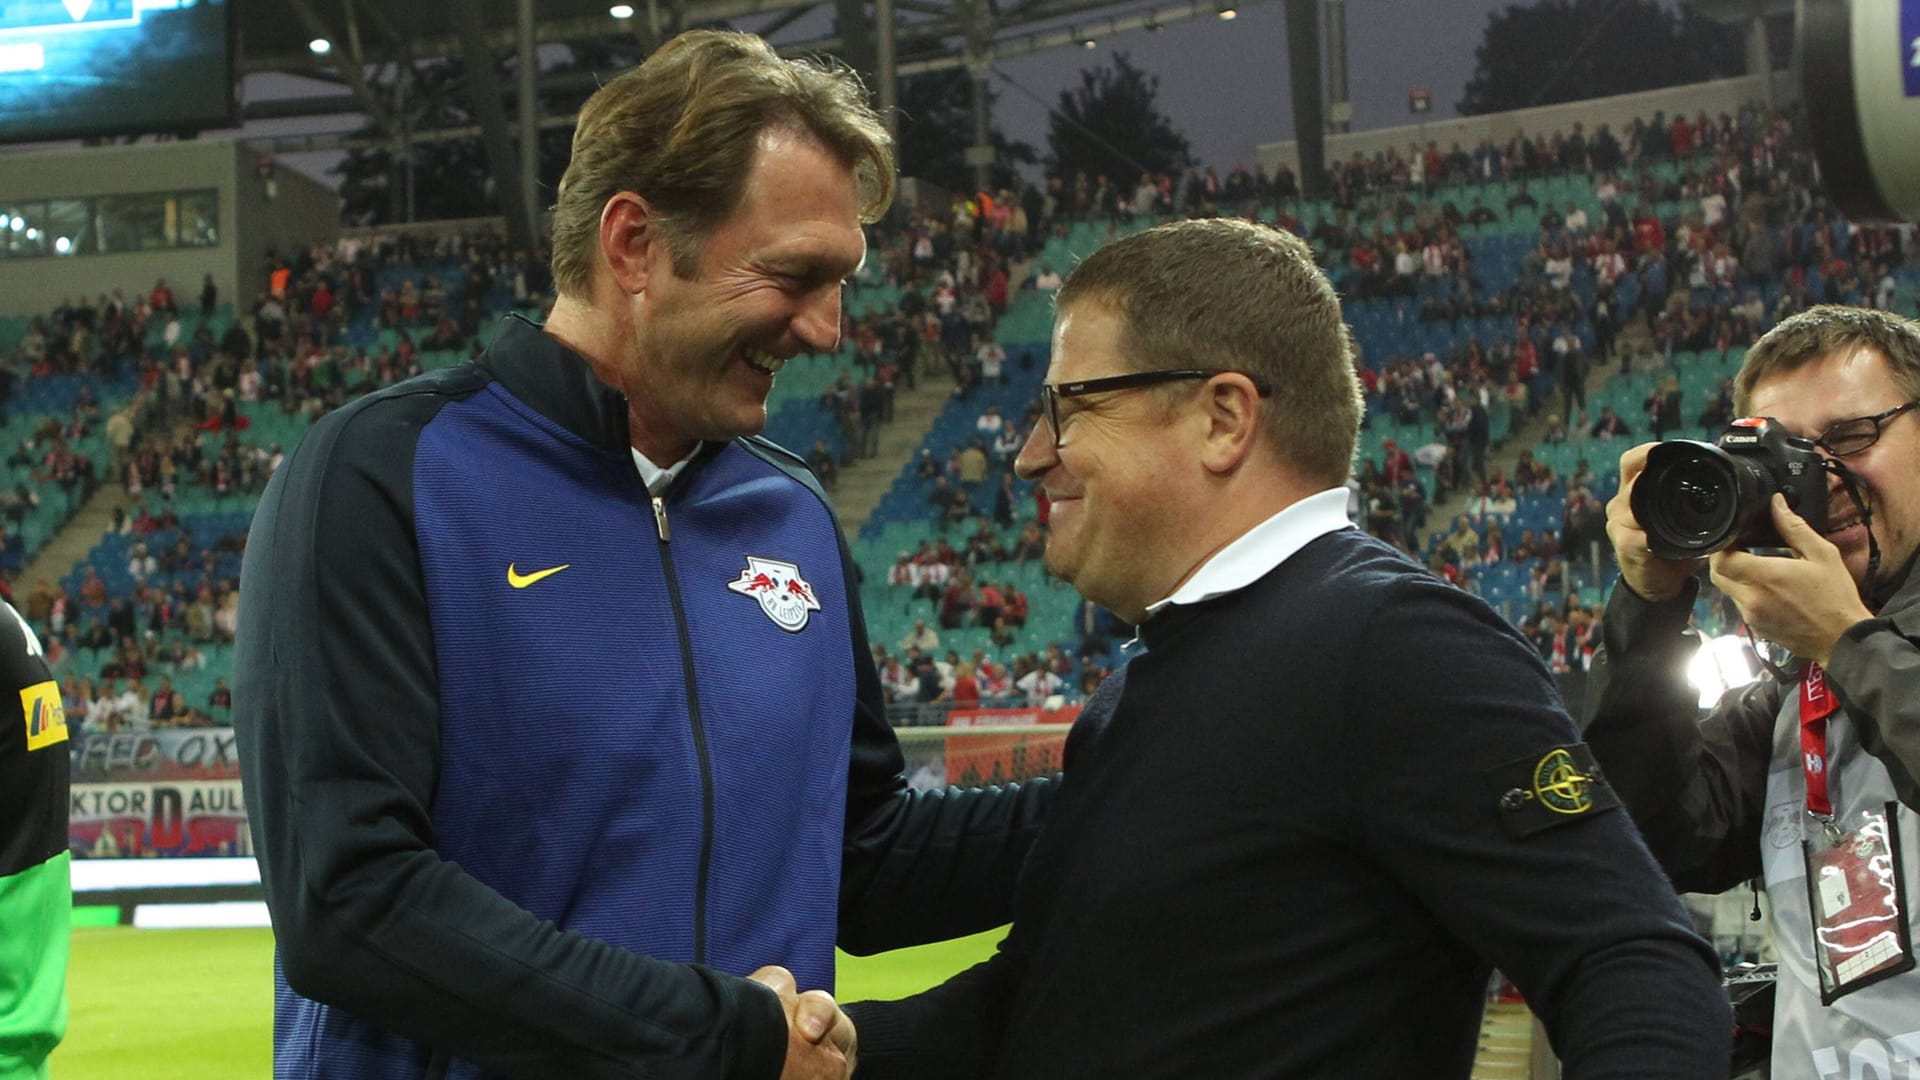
[[1817, 703]]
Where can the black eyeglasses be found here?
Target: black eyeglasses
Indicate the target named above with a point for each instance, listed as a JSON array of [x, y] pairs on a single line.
[[1844, 438], [1051, 393]]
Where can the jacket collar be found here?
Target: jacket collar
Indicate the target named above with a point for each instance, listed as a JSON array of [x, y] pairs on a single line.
[[1903, 606], [558, 383]]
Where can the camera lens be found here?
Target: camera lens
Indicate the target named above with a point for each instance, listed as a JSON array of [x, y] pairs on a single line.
[[1698, 498], [1687, 499]]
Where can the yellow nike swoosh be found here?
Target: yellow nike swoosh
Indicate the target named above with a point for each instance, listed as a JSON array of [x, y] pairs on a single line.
[[521, 581]]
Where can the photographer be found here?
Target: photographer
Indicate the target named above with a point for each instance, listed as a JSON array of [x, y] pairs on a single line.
[[1805, 779]]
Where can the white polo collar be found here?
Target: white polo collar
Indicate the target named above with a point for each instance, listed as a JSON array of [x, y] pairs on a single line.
[[656, 478], [1257, 551]]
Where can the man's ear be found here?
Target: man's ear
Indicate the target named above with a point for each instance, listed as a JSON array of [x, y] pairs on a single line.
[[1233, 422], [630, 241]]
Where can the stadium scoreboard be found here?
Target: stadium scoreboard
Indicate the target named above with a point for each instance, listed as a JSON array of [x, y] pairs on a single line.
[[79, 68]]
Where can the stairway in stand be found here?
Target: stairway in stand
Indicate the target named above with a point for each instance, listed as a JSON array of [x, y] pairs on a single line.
[[865, 482], [1508, 1046], [78, 537]]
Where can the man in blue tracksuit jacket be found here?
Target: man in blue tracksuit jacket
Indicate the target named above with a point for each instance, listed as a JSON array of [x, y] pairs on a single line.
[[554, 702]]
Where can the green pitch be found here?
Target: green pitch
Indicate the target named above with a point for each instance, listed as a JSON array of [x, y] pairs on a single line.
[[168, 1005], [198, 1004]]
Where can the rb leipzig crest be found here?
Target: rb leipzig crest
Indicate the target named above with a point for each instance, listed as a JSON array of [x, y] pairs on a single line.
[[783, 594]]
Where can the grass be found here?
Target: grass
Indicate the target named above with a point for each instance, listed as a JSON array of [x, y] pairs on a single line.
[[168, 1005], [909, 971], [198, 1004]]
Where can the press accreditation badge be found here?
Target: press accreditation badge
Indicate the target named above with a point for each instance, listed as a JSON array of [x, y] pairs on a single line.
[[1857, 895]]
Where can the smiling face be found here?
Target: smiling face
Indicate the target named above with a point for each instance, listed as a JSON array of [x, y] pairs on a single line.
[[705, 349], [1111, 520], [1848, 383]]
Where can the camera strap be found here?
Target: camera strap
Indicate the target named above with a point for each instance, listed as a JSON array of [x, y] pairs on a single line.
[[1852, 487]]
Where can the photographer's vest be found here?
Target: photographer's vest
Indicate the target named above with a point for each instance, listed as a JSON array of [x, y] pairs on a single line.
[[1872, 1033]]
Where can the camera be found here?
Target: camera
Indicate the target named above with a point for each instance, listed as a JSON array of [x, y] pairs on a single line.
[[1696, 498]]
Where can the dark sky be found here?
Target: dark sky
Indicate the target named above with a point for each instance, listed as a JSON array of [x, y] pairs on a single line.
[[1224, 83]]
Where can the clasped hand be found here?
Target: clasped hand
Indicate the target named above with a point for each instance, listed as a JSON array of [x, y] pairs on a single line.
[[821, 1041]]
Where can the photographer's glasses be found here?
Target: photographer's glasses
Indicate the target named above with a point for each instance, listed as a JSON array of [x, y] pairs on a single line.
[[1844, 438], [1051, 393]]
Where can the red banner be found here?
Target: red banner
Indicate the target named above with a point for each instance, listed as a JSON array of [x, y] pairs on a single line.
[[1001, 757], [1012, 717]]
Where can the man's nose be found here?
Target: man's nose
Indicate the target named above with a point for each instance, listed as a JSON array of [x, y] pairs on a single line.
[[1038, 454], [818, 324]]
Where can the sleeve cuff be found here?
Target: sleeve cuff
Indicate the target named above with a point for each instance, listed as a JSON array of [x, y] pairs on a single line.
[[760, 1034], [1631, 620], [1852, 650], [892, 1039]]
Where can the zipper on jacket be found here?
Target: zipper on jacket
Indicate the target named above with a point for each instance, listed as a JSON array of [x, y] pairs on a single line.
[[699, 732]]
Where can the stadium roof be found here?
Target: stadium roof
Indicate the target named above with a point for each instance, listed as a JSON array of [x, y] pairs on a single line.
[[364, 40], [929, 35], [275, 37]]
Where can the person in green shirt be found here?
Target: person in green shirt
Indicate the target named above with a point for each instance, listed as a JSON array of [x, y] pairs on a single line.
[[36, 893]]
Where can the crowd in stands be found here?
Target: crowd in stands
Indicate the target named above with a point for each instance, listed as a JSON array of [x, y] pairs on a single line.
[[50, 455], [87, 336], [1689, 235], [1672, 238], [949, 282], [118, 655], [339, 321], [201, 377], [1695, 237], [920, 673], [1403, 176]]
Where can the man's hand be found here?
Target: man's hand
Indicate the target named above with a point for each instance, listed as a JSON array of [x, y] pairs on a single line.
[[821, 1041], [1804, 604], [1652, 577]]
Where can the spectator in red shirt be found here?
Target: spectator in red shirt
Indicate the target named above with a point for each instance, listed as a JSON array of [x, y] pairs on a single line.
[[1526, 358], [1399, 464], [957, 603], [1649, 238], [93, 591], [989, 605], [1680, 137], [996, 290], [965, 693], [1016, 610]]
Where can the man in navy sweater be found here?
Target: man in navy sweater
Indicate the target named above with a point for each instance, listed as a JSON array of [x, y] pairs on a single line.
[[1300, 830]]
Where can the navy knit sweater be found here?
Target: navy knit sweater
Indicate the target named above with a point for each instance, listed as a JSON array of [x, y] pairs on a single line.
[[1289, 845]]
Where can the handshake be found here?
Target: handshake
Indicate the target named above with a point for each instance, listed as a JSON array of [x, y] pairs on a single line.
[[821, 1041]]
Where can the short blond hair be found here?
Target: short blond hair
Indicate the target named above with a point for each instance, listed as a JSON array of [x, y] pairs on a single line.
[[1228, 294], [681, 130]]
